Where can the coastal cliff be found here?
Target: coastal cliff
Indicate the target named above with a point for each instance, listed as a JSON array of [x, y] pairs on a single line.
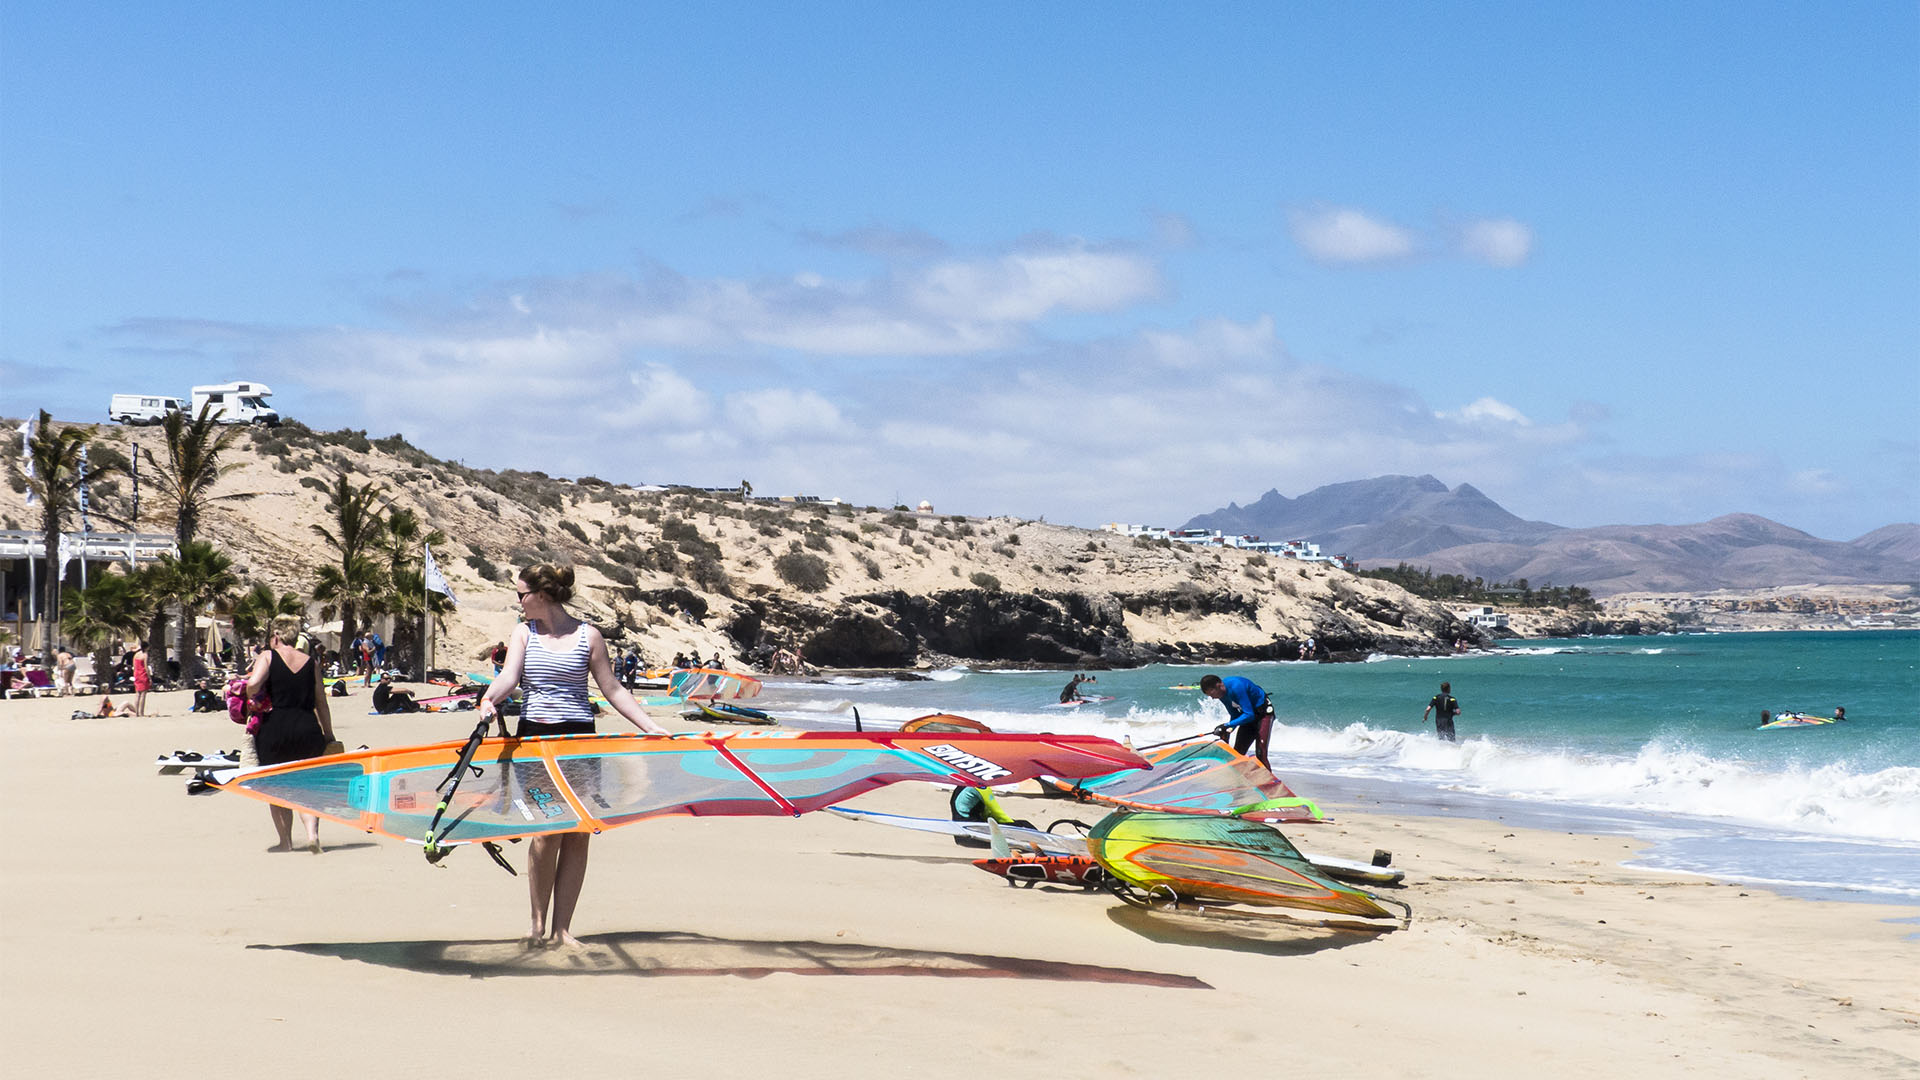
[[673, 570]]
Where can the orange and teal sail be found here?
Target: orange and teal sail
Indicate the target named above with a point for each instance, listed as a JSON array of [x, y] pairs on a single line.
[[588, 783], [1198, 778], [708, 684], [1184, 859]]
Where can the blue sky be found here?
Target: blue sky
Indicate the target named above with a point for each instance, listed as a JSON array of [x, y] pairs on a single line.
[[1610, 263]]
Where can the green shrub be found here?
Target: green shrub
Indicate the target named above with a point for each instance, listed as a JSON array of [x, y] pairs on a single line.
[[805, 572], [983, 580]]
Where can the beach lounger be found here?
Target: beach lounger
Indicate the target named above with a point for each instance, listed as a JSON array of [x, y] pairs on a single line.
[[36, 682]]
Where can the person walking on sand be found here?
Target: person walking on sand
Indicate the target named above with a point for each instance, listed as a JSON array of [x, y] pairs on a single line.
[[1249, 713], [552, 654], [1444, 708], [298, 725], [142, 680]]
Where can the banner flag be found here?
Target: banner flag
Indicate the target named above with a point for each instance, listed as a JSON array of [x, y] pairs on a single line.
[[436, 580]]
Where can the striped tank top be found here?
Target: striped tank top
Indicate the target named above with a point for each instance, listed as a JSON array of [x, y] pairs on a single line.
[[555, 680]]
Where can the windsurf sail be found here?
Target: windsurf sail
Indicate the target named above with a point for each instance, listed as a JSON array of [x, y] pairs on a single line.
[[706, 684], [1794, 719], [1222, 860], [730, 714], [1038, 842], [1197, 778], [943, 722], [589, 783]]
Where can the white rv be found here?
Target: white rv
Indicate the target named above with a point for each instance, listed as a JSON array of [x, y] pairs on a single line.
[[141, 408], [236, 403]]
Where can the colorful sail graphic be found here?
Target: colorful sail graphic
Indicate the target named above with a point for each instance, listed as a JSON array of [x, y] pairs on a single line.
[[706, 684], [588, 783], [1197, 778], [1222, 860]]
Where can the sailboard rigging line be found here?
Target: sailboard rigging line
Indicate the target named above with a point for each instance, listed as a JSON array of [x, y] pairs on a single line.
[[726, 755], [506, 788], [1207, 734]]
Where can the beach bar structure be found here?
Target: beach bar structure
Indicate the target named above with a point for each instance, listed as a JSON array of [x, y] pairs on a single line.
[[24, 568]]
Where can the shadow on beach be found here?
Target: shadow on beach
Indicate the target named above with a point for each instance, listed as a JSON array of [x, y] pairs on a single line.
[[673, 953]]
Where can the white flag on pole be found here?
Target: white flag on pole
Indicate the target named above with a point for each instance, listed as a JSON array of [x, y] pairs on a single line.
[[26, 451], [436, 580]]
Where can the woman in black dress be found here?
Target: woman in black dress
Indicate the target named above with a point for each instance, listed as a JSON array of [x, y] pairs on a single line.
[[299, 725]]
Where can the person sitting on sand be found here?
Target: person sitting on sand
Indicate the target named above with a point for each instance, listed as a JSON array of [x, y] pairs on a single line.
[[1072, 692], [388, 700], [205, 700]]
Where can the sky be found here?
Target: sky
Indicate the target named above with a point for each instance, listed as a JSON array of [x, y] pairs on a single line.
[[1610, 263]]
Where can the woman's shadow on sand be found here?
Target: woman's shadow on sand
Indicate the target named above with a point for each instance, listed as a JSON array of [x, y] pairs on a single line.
[[677, 953]]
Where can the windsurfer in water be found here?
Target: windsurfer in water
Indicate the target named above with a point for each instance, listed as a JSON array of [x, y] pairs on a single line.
[[1072, 692], [1249, 713], [552, 653], [1444, 708]]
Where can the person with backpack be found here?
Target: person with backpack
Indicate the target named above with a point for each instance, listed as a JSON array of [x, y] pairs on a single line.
[[1444, 708]]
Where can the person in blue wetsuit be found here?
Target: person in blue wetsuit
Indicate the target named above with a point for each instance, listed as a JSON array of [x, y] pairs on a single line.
[[1249, 713]]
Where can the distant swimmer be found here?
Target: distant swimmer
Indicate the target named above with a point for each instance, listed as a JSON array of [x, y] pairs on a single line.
[[1249, 713], [1839, 712], [1072, 692], [1444, 708]]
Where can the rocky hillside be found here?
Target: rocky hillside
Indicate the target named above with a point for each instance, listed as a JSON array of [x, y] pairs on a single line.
[[666, 571]]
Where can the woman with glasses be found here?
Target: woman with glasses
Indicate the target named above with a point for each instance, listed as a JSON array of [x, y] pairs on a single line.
[[550, 656]]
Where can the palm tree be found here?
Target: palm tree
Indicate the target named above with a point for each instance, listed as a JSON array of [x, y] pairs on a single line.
[[342, 590], [351, 585], [57, 476], [407, 600], [187, 477], [201, 577], [111, 608], [257, 609], [193, 467]]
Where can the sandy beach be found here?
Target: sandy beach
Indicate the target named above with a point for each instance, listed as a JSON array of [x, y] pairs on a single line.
[[146, 933]]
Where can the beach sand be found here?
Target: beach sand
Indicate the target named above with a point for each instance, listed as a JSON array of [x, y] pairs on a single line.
[[146, 933]]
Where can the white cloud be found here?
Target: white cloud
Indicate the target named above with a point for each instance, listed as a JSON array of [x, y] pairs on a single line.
[[1026, 287], [1348, 235], [1497, 241], [1337, 234], [1488, 410]]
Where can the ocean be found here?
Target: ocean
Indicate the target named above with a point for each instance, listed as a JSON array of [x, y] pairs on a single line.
[[1653, 737]]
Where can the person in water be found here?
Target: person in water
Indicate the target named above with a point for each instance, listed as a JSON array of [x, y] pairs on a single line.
[[1249, 713], [1444, 708], [552, 653], [1839, 712], [1072, 692]]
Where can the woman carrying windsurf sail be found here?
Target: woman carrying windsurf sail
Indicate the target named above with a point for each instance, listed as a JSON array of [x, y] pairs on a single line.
[[551, 654], [298, 725]]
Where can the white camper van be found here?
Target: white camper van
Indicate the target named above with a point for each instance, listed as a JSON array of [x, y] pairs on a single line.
[[141, 408], [236, 403]]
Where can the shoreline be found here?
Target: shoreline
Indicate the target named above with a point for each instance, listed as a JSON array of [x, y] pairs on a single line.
[[758, 939]]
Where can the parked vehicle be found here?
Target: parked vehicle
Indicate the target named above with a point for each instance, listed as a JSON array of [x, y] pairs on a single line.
[[142, 408], [236, 403]]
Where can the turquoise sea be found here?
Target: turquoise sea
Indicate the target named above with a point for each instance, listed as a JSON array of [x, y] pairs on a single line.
[[1648, 736]]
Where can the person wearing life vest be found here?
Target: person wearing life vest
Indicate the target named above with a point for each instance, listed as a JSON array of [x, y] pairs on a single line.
[[1444, 708], [979, 804], [1249, 713]]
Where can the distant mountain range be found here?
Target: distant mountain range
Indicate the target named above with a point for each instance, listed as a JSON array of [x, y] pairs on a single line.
[[1419, 520]]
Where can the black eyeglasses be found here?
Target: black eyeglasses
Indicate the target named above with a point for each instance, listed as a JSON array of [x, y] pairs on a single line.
[[524, 595]]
